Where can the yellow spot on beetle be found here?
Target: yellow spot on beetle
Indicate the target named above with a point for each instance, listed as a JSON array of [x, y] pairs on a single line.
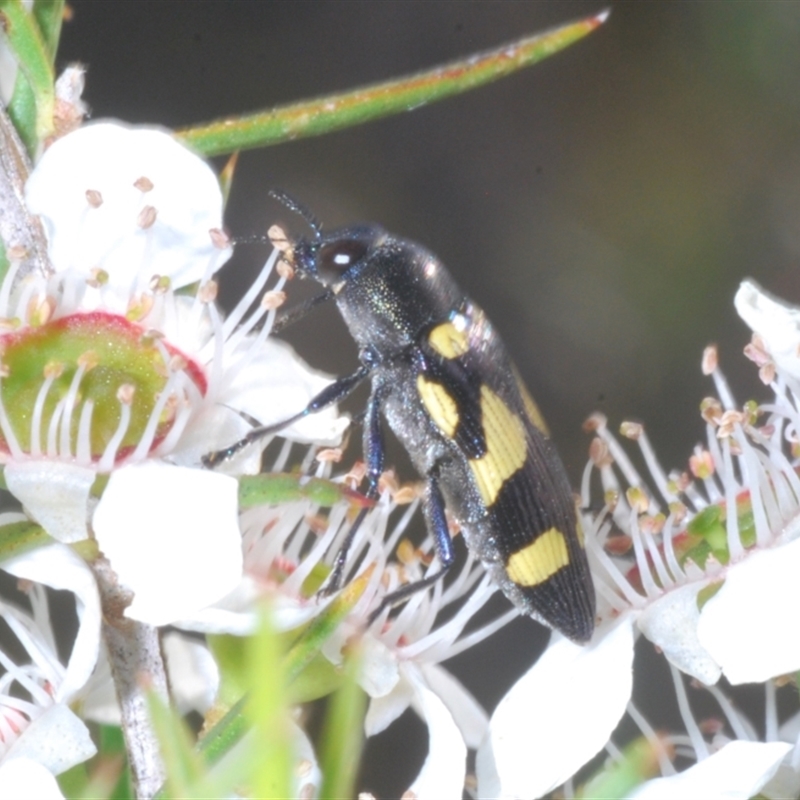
[[506, 446], [531, 409], [439, 404], [539, 560], [448, 341]]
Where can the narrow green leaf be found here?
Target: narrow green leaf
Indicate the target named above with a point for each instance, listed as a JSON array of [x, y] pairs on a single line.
[[276, 488], [268, 710], [32, 55], [49, 16], [183, 765], [323, 625], [229, 730], [22, 113], [225, 733], [20, 537], [322, 115], [343, 735]]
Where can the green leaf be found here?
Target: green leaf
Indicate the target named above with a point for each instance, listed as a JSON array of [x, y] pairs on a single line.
[[32, 54], [49, 16], [322, 115], [20, 537], [184, 767], [225, 733], [276, 488], [230, 729], [268, 710], [324, 624], [343, 735]]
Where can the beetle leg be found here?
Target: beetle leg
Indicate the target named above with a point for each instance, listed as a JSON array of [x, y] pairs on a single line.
[[333, 393], [433, 508], [374, 455]]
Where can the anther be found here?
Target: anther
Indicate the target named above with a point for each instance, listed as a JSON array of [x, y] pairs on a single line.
[[147, 217], [219, 238], [272, 300], [710, 359], [94, 198]]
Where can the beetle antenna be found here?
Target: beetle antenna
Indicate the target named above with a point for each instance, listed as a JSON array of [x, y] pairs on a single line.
[[295, 205]]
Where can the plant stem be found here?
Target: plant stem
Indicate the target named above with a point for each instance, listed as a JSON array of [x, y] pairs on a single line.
[[137, 667], [21, 233]]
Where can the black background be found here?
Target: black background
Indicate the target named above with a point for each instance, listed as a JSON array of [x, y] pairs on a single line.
[[602, 207]]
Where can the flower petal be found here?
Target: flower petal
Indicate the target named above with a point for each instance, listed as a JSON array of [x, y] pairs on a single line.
[[172, 536], [467, 712], [59, 567], [275, 385], [671, 623], [745, 626], [736, 772], [307, 775], [54, 493], [57, 739], [193, 673], [775, 321], [91, 188], [541, 733], [442, 775], [25, 779], [384, 710]]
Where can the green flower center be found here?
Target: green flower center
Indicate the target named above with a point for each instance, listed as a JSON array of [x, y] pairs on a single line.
[[98, 359]]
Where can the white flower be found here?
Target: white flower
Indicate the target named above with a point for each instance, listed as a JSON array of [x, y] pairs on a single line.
[[42, 728], [291, 547], [119, 363], [737, 771], [708, 573]]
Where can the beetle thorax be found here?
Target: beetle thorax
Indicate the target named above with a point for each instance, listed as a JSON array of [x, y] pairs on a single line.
[[395, 296]]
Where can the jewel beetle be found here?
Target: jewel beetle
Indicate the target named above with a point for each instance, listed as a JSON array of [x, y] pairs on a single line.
[[441, 377]]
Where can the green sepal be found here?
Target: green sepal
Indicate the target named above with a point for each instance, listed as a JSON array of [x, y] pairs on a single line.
[[707, 592], [638, 764], [319, 678], [326, 114], [17, 538]]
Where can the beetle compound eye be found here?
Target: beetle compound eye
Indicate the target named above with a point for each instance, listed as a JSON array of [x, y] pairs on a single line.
[[337, 257]]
